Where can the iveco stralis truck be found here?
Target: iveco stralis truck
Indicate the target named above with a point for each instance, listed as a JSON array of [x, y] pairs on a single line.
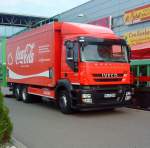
[[80, 66]]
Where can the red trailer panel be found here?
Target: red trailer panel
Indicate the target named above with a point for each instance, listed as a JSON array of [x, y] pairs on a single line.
[[32, 56]]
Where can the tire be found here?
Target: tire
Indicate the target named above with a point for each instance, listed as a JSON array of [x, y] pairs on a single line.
[[64, 101], [26, 98], [13, 92], [17, 92]]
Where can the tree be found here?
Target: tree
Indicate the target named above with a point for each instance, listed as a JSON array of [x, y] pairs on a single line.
[[5, 123]]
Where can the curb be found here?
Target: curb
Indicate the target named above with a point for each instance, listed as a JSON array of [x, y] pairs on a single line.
[[17, 144]]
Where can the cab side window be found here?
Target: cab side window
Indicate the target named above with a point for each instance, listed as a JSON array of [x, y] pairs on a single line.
[[69, 54]]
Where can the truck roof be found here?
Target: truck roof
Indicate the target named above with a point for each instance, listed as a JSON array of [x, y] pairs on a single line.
[[69, 28], [73, 29]]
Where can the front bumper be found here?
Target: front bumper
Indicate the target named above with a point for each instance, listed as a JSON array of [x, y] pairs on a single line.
[[99, 101]]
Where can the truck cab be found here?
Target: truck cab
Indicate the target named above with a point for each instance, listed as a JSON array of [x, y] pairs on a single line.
[[94, 68]]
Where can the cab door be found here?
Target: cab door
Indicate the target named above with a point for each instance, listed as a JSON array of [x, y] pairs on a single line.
[[69, 61]]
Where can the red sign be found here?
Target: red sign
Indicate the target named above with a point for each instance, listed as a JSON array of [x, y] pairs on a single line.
[[105, 22], [141, 51]]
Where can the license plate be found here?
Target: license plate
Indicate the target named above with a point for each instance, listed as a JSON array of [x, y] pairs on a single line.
[[109, 95]]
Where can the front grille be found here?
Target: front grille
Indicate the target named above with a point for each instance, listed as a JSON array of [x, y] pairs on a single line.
[[105, 87], [98, 98], [107, 77], [108, 80], [100, 75]]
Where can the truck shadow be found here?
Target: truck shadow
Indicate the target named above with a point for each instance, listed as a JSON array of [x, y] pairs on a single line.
[[88, 113], [9, 96], [52, 106], [99, 113], [48, 105]]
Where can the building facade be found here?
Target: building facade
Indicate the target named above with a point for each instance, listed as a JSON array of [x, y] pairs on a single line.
[[98, 9], [127, 18]]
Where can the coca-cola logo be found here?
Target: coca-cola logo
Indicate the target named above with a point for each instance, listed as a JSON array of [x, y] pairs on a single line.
[[10, 59], [25, 56]]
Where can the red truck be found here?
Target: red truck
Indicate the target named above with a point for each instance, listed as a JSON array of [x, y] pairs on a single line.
[[80, 66]]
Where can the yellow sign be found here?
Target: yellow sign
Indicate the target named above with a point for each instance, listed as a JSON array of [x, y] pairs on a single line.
[[138, 37], [137, 15]]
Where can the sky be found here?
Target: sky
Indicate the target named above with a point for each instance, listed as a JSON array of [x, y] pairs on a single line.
[[46, 8]]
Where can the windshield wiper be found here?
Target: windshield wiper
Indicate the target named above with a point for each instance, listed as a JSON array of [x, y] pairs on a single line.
[[94, 61], [118, 61]]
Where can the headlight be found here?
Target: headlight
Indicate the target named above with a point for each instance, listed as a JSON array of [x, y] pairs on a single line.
[[128, 96], [128, 93], [87, 101], [86, 96]]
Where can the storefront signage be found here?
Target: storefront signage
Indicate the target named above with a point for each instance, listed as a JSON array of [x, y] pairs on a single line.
[[137, 15], [105, 22], [138, 37]]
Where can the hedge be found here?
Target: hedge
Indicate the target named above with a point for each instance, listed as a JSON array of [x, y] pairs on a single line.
[[5, 123]]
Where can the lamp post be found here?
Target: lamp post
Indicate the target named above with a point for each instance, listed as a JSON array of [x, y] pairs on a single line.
[[81, 15]]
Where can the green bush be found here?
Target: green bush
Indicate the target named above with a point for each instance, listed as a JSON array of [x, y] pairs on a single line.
[[5, 123]]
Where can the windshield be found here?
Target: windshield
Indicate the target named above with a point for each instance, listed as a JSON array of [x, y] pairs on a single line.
[[104, 52]]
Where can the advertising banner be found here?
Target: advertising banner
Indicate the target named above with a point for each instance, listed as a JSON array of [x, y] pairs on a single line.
[[138, 37], [139, 42], [137, 15], [105, 22]]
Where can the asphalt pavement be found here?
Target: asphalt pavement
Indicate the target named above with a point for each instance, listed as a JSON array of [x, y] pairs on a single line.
[[42, 125]]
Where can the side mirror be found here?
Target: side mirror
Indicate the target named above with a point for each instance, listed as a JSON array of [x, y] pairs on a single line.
[[75, 67], [75, 57], [69, 44], [70, 53]]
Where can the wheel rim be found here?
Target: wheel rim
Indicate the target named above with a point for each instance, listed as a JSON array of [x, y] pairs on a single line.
[[23, 95], [63, 101], [17, 90]]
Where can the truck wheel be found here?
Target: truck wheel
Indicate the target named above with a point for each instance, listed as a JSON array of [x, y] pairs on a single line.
[[64, 102], [13, 92], [17, 91], [25, 96]]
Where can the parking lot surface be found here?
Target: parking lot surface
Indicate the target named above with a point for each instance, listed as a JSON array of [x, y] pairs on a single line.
[[42, 125]]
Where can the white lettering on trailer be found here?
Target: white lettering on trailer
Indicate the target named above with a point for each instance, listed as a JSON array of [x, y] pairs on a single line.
[[44, 48], [25, 56]]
